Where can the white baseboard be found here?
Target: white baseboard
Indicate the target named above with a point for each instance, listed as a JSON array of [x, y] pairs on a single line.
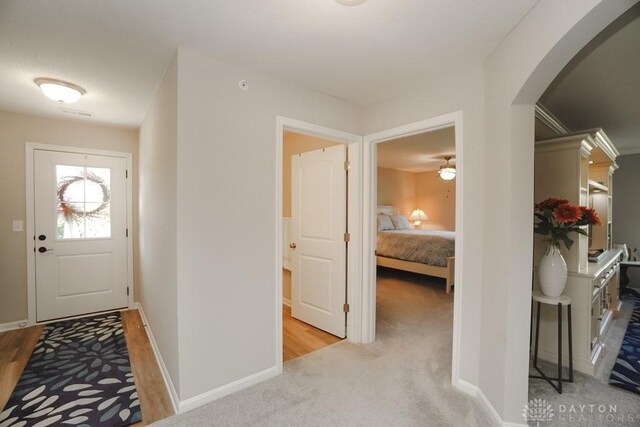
[[466, 387], [9, 326], [286, 301], [163, 368], [497, 419], [217, 393]]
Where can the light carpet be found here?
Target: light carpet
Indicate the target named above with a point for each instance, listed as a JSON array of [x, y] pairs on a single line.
[[580, 401], [403, 379]]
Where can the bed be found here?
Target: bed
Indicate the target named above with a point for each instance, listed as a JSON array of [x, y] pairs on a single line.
[[428, 252]]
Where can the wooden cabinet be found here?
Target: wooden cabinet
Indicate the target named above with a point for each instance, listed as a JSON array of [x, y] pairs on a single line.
[[579, 167]]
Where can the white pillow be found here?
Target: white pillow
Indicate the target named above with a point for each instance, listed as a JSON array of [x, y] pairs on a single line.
[[384, 222], [400, 222]]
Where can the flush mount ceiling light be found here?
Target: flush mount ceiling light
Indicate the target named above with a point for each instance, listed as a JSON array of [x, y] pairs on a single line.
[[350, 2], [447, 172], [61, 91]]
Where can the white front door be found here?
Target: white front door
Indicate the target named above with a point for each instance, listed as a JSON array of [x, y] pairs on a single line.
[[80, 203], [318, 227]]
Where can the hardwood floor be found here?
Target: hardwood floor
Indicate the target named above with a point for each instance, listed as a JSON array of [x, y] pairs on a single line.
[[152, 391], [16, 347], [299, 338]]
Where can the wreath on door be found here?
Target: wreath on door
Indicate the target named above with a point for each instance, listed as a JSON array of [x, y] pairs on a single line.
[[70, 209]]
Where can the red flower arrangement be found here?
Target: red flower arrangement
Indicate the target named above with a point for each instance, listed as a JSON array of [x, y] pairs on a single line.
[[557, 218]]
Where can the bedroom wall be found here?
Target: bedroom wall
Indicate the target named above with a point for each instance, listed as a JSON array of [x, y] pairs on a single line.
[[437, 198], [226, 234], [158, 239], [397, 188], [626, 207], [15, 131]]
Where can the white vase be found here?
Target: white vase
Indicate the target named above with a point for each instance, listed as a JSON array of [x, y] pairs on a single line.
[[552, 272]]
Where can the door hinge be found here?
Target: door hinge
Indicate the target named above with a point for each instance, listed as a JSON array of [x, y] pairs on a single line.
[[126, 173], [347, 165], [127, 291], [345, 308], [347, 237], [126, 233]]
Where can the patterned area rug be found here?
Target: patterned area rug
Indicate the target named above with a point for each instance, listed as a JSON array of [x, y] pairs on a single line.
[[626, 372], [79, 374]]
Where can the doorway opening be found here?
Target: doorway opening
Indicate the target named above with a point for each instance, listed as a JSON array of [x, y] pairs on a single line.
[[415, 241], [393, 196], [318, 242], [314, 256]]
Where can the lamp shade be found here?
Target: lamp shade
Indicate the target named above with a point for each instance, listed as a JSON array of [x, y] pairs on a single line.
[[417, 216]]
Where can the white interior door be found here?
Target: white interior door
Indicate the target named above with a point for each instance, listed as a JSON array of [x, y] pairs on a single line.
[[318, 226], [81, 232]]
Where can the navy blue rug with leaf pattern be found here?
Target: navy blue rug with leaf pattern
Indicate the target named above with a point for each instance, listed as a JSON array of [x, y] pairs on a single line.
[[626, 372], [78, 374]]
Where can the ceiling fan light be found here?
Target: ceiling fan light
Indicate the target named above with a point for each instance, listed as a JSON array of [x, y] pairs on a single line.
[[60, 91], [447, 173]]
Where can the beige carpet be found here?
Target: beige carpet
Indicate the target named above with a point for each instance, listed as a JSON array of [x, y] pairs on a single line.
[[403, 379]]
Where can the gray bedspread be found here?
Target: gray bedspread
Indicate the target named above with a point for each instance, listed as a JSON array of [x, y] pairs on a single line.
[[430, 247]]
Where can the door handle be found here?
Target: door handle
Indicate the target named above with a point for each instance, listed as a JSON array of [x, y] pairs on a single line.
[[292, 245], [42, 249]]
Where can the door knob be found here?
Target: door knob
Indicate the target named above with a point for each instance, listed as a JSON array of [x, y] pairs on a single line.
[[292, 245], [42, 237], [42, 249]]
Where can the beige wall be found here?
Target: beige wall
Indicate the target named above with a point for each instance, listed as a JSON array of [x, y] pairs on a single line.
[[296, 143], [437, 198], [408, 191], [158, 235], [226, 214], [15, 131], [397, 188]]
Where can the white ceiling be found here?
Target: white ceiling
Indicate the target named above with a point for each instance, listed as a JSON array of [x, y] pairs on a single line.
[[600, 87], [118, 50], [418, 153]]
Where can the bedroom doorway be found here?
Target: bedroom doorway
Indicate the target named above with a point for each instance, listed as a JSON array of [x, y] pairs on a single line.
[[413, 238], [315, 251]]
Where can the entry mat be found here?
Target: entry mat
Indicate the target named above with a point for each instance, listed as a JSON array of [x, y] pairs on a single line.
[[78, 374], [626, 371]]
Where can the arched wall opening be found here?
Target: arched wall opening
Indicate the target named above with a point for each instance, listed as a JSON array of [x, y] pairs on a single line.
[[516, 75]]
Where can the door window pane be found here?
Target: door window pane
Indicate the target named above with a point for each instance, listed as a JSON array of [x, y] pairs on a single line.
[[83, 202]]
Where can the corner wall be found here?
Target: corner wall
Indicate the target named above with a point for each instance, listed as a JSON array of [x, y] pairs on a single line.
[[516, 75], [158, 292], [226, 195]]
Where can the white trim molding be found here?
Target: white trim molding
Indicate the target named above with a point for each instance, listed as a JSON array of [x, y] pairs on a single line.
[[369, 226], [549, 120], [217, 393], [173, 395], [30, 148], [10, 326], [493, 414], [354, 260]]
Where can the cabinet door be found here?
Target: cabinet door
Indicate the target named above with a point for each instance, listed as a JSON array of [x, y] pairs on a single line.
[[595, 321]]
